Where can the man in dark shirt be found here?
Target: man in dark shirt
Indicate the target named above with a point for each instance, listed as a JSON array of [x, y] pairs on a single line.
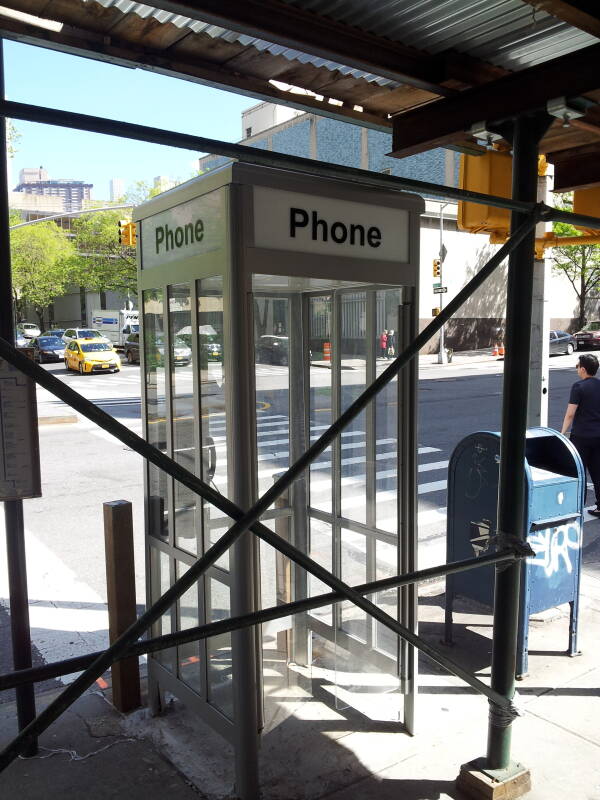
[[583, 417]]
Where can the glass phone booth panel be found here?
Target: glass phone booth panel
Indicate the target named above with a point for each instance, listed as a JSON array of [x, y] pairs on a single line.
[[264, 295]]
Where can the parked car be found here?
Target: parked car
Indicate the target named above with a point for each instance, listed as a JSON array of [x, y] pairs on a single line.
[[209, 339], [20, 340], [48, 348], [91, 355], [131, 348], [589, 336], [54, 332], [182, 354], [562, 342], [28, 329], [82, 333], [210, 343], [272, 349]]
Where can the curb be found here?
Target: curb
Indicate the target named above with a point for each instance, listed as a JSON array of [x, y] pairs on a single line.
[[63, 419]]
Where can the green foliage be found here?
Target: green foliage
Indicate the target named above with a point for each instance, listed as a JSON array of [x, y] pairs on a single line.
[[102, 263], [12, 136], [579, 263], [42, 260], [139, 192]]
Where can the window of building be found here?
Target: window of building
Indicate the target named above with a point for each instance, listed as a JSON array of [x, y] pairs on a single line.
[[248, 133]]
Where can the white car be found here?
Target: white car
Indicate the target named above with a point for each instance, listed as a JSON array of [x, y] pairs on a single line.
[[83, 333], [28, 330]]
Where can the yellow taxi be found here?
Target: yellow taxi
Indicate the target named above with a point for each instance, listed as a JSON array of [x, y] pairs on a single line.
[[91, 355]]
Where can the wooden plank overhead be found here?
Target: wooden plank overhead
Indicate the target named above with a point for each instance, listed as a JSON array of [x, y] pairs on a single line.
[[351, 62], [582, 14], [448, 121]]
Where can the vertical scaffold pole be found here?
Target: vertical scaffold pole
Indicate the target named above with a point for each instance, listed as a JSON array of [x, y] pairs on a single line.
[[527, 132], [13, 509]]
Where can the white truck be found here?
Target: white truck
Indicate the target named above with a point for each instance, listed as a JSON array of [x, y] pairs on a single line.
[[115, 325]]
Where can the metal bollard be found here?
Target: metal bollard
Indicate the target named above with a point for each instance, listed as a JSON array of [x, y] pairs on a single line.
[[120, 587]]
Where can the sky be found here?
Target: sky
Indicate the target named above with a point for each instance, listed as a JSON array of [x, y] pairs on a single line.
[[70, 83]]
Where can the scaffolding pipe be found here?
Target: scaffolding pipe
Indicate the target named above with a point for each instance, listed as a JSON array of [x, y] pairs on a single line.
[[527, 132], [14, 525], [56, 669], [265, 158]]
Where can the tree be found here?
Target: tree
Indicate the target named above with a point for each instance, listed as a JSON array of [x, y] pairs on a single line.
[[580, 263], [42, 260], [102, 263]]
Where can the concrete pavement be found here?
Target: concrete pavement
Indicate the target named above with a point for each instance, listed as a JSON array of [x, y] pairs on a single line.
[[322, 748]]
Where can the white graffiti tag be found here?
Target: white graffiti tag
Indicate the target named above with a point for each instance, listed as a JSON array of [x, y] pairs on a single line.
[[552, 546]]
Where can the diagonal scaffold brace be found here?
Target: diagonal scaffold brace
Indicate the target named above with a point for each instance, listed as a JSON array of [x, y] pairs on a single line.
[[249, 519]]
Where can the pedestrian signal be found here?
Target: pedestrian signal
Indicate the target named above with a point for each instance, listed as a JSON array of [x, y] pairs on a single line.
[[436, 268]]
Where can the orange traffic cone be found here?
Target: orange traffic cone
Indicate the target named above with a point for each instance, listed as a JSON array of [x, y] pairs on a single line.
[[495, 350], [500, 349]]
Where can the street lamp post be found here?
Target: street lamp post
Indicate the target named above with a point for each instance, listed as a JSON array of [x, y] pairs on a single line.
[[442, 354]]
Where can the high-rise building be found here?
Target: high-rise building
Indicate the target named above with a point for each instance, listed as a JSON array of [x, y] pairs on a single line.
[[117, 189], [163, 183], [70, 194]]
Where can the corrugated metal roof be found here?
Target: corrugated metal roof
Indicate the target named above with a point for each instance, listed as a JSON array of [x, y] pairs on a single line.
[[507, 33]]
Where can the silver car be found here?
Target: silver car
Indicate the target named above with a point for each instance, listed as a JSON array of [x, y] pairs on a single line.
[[28, 330]]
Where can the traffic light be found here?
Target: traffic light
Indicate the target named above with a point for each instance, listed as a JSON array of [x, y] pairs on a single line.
[[124, 233], [436, 268], [127, 233], [435, 312]]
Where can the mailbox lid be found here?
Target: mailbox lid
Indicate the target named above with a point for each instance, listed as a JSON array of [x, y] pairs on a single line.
[[551, 494]]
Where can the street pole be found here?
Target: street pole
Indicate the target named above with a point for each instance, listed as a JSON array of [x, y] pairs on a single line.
[[13, 509], [442, 355]]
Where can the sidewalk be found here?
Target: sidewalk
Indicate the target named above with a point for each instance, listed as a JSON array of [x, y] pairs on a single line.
[[460, 357], [324, 750]]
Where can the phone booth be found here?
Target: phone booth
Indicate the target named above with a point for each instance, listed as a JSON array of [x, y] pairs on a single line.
[[264, 294]]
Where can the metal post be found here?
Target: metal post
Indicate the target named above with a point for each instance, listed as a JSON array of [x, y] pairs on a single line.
[[540, 329], [241, 404], [511, 490], [13, 509], [442, 355], [120, 592]]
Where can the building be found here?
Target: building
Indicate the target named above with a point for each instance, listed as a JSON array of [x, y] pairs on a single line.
[[162, 183], [116, 189], [480, 323], [72, 195]]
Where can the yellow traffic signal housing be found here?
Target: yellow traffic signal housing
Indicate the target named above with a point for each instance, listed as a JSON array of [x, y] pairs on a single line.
[[490, 173], [435, 312], [124, 233], [436, 268], [127, 233], [587, 201]]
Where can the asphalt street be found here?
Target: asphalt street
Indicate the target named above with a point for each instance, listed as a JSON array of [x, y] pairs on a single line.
[[82, 467]]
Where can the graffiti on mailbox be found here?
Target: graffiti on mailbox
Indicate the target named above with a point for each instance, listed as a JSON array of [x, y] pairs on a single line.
[[553, 548]]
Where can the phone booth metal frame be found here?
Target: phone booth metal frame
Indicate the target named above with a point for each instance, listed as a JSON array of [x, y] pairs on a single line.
[[263, 294]]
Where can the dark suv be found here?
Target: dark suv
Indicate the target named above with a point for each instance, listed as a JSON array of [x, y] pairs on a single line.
[[131, 348]]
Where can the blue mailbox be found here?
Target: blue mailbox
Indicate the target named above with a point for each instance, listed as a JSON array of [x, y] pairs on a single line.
[[555, 490]]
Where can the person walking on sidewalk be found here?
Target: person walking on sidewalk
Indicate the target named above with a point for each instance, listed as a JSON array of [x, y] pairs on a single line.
[[583, 417], [391, 344], [383, 338]]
